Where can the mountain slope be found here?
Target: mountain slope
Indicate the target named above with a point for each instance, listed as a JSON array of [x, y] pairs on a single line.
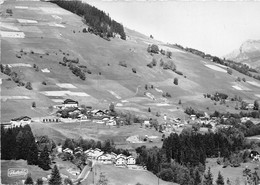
[[248, 53], [52, 33]]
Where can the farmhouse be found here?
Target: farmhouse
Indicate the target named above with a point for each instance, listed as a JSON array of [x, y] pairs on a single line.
[[97, 112], [70, 103], [21, 121], [120, 160], [130, 160], [111, 123], [67, 150]]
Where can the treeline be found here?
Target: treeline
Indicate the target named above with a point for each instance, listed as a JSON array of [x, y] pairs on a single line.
[[242, 68], [100, 23], [14, 76], [19, 143], [182, 157]]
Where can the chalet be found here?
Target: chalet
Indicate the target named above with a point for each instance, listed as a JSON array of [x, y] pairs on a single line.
[[97, 112], [93, 154], [120, 161], [130, 160], [105, 158], [193, 117], [70, 103], [250, 106], [67, 150], [111, 123], [59, 149], [21, 121], [147, 123]]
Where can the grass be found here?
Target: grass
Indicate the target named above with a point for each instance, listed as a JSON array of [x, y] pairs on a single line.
[[117, 176], [230, 172]]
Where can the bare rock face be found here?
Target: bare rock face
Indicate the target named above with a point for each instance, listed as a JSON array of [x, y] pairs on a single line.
[[248, 53]]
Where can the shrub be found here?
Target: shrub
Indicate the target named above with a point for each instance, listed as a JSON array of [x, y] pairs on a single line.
[[161, 62], [33, 104], [229, 71], [44, 83], [175, 81], [123, 64], [153, 48], [32, 52], [169, 54], [134, 70], [18, 56], [243, 79], [178, 72], [28, 86], [154, 62], [169, 65], [150, 65], [84, 30], [88, 71]]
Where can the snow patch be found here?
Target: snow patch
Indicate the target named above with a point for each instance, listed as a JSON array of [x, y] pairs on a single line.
[[9, 26], [64, 93], [66, 85], [9, 34], [45, 70], [21, 7], [19, 65], [216, 68], [254, 83], [4, 98], [114, 94], [27, 21]]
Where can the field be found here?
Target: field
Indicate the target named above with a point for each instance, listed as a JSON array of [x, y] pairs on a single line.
[[230, 172], [116, 176], [90, 130]]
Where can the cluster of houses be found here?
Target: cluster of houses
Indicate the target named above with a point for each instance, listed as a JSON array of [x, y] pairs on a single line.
[[98, 155]]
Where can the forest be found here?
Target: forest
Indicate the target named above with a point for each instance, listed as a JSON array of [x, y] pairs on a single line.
[[98, 21], [182, 157]]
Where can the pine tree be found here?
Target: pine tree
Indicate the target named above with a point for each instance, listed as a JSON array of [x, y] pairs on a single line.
[[28, 180], [197, 178], [208, 178], [220, 179], [55, 177], [228, 181], [32, 157], [39, 181], [44, 159]]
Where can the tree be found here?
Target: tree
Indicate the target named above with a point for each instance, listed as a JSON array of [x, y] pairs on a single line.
[[112, 107], [175, 81], [68, 181], [228, 181], [39, 181], [28, 180], [28, 86], [208, 178], [179, 102], [154, 48], [229, 71], [197, 178], [32, 157], [166, 174], [169, 54], [256, 105], [55, 177], [33, 104], [149, 109], [220, 179], [44, 159]]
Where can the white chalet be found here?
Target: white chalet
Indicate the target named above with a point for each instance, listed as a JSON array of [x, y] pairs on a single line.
[[67, 150], [21, 121], [130, 160], [111, 123], [70, 103]]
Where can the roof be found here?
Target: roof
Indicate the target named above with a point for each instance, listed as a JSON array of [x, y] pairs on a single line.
[[20, 118], [69, 101]]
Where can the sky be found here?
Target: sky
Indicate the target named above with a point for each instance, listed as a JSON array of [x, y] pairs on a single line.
[[214, 27]]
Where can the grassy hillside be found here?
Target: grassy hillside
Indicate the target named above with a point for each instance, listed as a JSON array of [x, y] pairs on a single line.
[[58, 33]]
